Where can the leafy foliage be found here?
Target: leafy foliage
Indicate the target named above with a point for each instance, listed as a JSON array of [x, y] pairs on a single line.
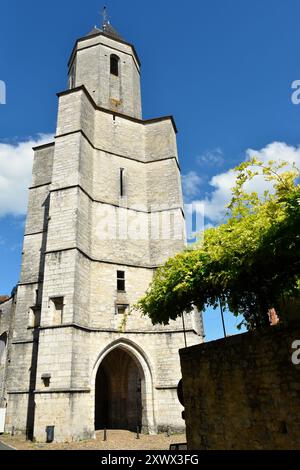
[[247, 263]]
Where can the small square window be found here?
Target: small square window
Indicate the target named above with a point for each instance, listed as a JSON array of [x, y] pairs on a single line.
[[34, 317], [121, 309], [46, 379], [57, 306], [121, 281]]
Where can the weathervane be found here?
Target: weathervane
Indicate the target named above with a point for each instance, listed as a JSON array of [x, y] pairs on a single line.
[[105, 18]]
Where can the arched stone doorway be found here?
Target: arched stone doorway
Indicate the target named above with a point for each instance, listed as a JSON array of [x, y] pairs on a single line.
[[119, 392]]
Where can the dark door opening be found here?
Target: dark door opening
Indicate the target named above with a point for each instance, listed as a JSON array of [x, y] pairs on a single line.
[[118, 396]]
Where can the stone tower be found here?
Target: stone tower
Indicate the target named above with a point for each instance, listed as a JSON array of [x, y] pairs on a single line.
[[105, 210]]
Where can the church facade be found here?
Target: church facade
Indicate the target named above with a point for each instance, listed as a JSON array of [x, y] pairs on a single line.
[[105, 210]]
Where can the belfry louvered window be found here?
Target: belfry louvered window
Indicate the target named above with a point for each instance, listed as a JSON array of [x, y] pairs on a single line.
[[114, 65]]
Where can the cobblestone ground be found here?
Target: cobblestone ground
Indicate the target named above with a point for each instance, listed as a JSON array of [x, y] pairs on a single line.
[[116, 440]]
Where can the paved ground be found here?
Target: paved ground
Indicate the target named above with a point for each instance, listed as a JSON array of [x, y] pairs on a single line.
[[4, 447], [116, 440]]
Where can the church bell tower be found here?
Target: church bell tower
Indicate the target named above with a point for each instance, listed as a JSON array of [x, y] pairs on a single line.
[[110, 74], [105, 210]]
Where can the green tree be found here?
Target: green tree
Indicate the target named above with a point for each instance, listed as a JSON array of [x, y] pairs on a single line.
[[248, 263]]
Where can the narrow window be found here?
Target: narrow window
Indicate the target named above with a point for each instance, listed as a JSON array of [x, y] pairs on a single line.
[[114, 65], [122, 180], [72, 78], [57, 305], [3, 343], [121, 281]]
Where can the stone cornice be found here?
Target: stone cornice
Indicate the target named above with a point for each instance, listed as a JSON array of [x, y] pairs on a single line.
[[39, 185], [114, 330], [40, 147], [117, 154], [62, 390], [154, 211], [136, 64], [92, 36], [53, 390], [115, 113], [113, 263]]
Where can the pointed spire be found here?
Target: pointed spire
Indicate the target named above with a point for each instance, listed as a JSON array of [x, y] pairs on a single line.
[[107, 27]]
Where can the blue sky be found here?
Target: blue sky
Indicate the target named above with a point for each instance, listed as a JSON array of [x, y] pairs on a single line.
[[223, 68]]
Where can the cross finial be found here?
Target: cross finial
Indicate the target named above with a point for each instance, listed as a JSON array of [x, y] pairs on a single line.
[[105, 18]]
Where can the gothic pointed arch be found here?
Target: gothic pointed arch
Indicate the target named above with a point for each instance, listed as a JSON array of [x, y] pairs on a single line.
[[123, 387]]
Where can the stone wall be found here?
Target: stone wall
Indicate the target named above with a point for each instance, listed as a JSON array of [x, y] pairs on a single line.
[[7, 312], [5, 309], [243, 392]]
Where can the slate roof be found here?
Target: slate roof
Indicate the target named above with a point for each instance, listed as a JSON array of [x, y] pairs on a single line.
[[108, 29]]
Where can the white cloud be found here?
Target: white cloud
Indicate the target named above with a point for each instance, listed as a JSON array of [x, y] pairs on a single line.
[[15, 174], [215, 203], [191, 183], [213, 157]]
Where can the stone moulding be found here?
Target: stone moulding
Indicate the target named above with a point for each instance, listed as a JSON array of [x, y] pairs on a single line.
[[115, 113]]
